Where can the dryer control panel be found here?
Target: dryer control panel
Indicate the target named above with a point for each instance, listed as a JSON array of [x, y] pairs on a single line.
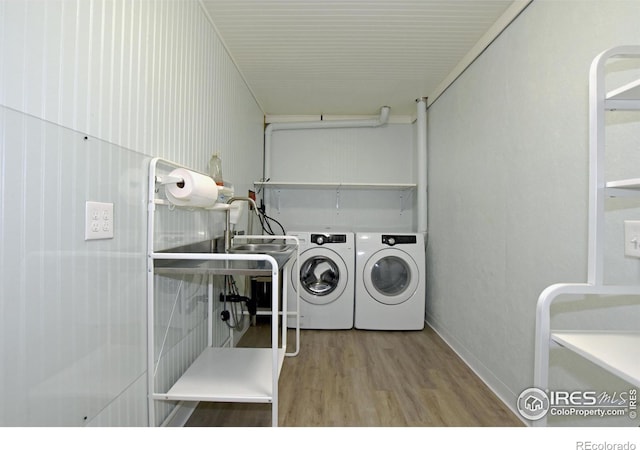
[[321, 239], [394, 239]]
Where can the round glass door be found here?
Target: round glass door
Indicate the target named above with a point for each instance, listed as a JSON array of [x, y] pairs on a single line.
[[391, 276], [319, 276], [323, 276]]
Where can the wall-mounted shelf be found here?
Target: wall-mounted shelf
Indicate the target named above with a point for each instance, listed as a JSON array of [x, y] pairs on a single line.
[[330, 185]]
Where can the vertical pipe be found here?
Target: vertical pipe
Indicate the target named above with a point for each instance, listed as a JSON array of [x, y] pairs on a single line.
[[421, 150]]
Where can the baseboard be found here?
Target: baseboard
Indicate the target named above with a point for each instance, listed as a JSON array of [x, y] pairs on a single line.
[[480, 370]]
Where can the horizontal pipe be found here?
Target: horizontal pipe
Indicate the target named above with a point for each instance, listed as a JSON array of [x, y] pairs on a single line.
[[318, 124]]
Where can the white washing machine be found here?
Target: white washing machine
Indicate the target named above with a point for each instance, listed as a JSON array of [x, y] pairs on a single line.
[[390, 281], [327, 263]]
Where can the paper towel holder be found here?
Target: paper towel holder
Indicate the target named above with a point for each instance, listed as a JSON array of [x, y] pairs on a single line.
[[170, 180]]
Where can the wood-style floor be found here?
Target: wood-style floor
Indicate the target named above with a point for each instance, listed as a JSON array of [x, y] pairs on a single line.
[[356, 378]]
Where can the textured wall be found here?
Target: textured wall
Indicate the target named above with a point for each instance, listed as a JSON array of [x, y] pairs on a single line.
[[508, 198], [89, 91]]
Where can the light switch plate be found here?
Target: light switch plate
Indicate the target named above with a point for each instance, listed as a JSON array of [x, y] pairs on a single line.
[[98, 221], [632, 238]]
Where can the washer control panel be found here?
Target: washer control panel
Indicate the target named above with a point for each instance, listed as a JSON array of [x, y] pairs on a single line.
[[321, 239], [394, 239]]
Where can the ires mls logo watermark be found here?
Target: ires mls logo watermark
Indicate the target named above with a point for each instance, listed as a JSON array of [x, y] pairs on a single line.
[[534, 403]]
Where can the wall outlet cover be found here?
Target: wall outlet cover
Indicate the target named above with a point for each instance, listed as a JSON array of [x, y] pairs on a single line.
[[98, 221], [632, 238]]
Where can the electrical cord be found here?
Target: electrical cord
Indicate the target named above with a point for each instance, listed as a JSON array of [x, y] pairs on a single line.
[[228, 315], [234, 313], [265, 221], [264, 218], [266, 226]]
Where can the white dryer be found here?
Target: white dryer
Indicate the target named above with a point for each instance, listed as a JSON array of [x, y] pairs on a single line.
[[390, 284], [326, 280]]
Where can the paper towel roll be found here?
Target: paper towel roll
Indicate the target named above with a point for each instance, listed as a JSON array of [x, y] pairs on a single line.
[[197, 190]]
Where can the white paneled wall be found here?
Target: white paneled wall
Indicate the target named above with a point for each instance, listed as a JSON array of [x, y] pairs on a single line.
[[89, 91], [151, 76]]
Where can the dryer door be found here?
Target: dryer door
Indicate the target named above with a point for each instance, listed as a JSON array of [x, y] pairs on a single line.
[[323, 276], [391, 276]]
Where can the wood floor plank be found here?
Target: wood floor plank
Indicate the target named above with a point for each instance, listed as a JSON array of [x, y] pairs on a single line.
[[356, 378]]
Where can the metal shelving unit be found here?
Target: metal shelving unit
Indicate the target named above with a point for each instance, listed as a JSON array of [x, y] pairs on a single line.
[[615, 351], [219, 374]]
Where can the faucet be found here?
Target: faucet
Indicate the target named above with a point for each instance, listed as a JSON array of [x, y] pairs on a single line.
[[227, 231]]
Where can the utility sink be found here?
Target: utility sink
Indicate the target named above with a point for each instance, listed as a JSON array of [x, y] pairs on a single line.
[[261, 248], [279, 251]]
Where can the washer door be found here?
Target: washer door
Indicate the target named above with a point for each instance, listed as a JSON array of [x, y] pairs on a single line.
[[391, 276], [323, 276]]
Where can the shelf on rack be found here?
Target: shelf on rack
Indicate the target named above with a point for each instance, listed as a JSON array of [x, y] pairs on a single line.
[[227, 375], [333, 185], [631, 183], [215, 207], [623, 188], [617, 352], [219, 207], [626, 97], [630, 91]]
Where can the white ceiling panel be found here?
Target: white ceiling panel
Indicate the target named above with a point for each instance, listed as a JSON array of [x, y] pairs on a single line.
[[342, 57]]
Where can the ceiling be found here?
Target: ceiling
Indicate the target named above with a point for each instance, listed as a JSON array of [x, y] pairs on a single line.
[[350, 57]]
